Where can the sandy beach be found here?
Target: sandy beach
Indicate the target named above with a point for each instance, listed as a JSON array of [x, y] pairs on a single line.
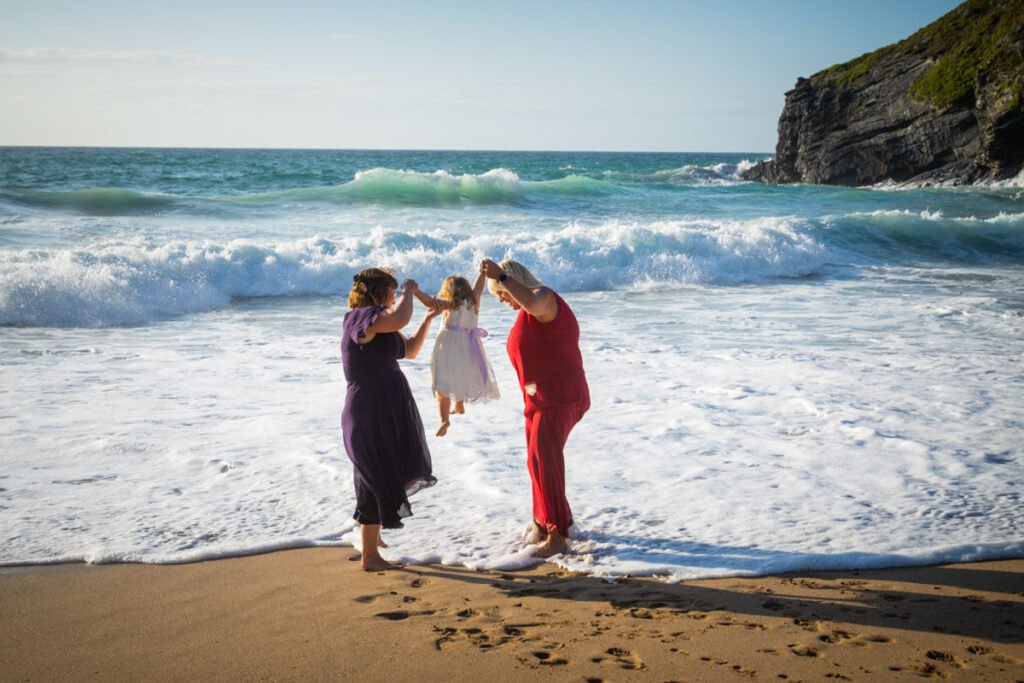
[[312, 615]]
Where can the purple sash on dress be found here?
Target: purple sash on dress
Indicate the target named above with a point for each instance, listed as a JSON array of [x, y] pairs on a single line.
[[475, 335]]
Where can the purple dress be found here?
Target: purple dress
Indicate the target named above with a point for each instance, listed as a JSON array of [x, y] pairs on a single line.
[[383, 432]]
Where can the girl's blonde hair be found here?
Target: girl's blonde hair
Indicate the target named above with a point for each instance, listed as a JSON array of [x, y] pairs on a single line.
[[370, 287], [519, 272], [456, 290]]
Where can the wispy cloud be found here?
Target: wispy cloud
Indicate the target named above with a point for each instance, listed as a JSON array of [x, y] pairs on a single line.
[[283, 82], [63, 54]]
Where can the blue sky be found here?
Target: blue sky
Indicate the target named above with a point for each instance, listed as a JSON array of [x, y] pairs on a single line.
[[642, 76]]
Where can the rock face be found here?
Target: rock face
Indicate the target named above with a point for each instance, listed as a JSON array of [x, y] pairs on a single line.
[[943, 106]]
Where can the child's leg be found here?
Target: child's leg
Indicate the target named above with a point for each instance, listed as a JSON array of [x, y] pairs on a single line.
[[460, 407], [444, 406]]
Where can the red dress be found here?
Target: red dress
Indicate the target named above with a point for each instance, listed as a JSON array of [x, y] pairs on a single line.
[[547, 360]]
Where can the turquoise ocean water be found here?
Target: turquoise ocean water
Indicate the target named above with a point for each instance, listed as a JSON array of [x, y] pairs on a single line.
[[784, 376]]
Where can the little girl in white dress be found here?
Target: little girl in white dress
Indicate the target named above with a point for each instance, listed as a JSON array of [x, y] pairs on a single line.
[[459, 368]]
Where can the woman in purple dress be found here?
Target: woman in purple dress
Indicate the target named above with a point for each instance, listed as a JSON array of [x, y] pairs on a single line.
[[383, 432]]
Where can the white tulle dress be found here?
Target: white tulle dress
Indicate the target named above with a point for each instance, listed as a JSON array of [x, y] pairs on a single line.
[[459, 367]]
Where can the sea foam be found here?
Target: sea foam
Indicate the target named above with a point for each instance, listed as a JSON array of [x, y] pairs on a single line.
[[136, 282]]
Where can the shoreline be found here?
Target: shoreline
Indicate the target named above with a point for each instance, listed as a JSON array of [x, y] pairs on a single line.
[[982, 553], [311, 614]]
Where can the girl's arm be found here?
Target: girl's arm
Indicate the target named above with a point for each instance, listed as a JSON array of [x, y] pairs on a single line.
[[432, 302], [478, 288], [414, 343], [426, 300]]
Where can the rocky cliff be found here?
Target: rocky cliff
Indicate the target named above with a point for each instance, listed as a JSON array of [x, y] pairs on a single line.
[[943, 106]]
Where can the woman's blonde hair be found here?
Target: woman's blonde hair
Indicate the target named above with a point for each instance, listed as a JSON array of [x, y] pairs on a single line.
[[516, 270], [456, 290], [371, 287]]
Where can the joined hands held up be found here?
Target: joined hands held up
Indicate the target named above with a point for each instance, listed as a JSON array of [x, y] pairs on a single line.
[[490, 268]]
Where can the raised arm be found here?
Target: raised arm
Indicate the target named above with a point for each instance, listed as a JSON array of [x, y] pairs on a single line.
[[478, 288], [398, 317], [426, 300], [540, 302]]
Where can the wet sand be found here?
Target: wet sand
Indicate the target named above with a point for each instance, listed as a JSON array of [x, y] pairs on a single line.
[[312, 615]]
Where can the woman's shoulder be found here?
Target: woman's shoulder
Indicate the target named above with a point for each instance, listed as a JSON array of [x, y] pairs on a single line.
[[551, 303], [357, 320], [364, 311]]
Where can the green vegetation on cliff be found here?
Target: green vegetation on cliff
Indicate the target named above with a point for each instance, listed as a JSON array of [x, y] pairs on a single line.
[[850, 71], [980, 43]]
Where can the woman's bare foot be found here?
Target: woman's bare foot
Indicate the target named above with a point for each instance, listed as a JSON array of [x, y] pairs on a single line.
[[377, 564], [534, 533], [460, 408], [371, 560], [443, 429], [553, 545]]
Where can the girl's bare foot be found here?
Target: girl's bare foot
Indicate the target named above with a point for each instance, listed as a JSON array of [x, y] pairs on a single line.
[[553, 545], [381, 543], [460, 407], [444, 405]]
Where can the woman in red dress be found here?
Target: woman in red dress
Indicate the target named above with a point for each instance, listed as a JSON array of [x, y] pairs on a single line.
[[543, 346]]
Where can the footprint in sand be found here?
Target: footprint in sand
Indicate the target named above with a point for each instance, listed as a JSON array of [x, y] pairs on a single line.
[[366, 599], [477, 637], [399, 615], [947, 657], [804, 650], [624, 658], [507, 633], [985, 650], [929, 670], [517, 630], [418, 583], [547, 659], [834, 637], [447, 634]]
